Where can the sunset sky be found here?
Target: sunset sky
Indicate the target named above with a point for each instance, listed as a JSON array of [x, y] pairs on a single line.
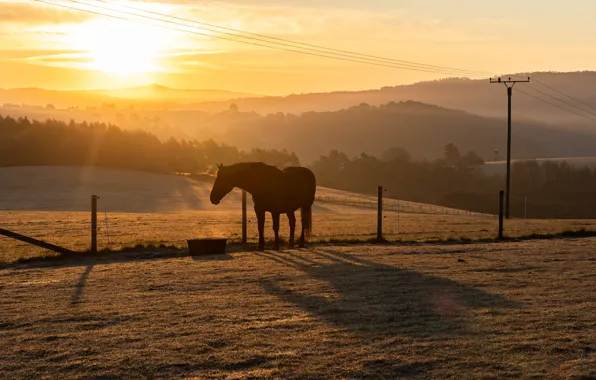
[[52, 47]]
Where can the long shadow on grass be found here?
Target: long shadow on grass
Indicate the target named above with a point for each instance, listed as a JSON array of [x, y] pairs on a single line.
[[364, 296], [80, 287]]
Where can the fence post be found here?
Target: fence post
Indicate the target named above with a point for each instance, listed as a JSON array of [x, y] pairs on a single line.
[[501, 193], [525, 212], [398, 216], [244, 217], [380, 214], [94, 199]]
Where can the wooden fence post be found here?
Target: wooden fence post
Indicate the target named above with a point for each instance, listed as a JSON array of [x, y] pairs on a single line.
[[94, 199], [501, 194], [380, 214], [398, 216], [244, 238]]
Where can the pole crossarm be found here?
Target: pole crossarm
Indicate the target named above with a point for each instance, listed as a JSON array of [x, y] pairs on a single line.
[[509, 81]]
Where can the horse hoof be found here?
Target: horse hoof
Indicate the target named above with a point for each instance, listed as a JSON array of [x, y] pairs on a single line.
[[276, 248]]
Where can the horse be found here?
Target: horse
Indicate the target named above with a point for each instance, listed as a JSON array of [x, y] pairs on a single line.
[[273, 190]]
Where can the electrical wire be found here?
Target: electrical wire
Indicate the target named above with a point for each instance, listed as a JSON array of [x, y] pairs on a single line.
[[555, 98], [292, 46], [556, 105], [318, 48], [562, 93], [180, 27]]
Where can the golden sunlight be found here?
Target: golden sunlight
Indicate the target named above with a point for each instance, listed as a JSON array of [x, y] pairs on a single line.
[[121, 48]]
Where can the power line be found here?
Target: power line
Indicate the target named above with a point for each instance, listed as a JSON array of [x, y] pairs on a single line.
[[318, 47], [562, 93], [556, 105], [328, 52], [562, 101], [331, 55]]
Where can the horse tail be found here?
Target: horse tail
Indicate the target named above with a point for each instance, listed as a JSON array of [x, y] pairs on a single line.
[[306, 216]]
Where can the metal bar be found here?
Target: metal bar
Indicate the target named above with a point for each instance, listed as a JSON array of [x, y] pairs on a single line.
[[36, 242]]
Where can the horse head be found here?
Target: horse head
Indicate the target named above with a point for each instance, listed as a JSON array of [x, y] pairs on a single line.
[[224, 183]]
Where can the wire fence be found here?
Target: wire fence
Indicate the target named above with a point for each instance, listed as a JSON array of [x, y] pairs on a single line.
[[337, 216]]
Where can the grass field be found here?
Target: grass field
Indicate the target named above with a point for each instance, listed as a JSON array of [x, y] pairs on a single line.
[[506, 310]]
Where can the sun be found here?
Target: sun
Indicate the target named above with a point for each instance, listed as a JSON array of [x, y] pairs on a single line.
[[121, 48]]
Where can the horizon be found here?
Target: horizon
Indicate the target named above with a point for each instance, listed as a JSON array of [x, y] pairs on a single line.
[[164, 86], [56, 48]]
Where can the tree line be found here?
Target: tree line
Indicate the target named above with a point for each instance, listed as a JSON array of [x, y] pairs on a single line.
[[30, 143], [454, 180], [552, 190]]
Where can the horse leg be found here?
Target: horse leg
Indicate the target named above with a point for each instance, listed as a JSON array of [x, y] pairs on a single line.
[[292, 219], [261, 225], [275, 216]]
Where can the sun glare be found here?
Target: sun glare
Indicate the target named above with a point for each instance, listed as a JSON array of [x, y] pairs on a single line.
[[121, 48]]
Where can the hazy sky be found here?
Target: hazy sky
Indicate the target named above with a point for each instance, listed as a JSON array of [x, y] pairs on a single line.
[[52, 47]]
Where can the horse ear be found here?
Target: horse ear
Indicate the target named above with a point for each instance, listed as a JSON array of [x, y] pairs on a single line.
[[219, 166]]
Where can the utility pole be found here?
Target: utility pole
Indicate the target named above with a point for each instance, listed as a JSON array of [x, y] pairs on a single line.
[[509, 83]]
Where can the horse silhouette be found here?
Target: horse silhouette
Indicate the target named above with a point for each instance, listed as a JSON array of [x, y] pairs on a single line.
[[273, 190]]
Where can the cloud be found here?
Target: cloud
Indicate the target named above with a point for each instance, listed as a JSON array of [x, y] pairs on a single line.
[[54, 58]]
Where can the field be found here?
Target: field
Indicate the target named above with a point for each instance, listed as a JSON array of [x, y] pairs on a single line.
[[505, 310], [52, 204], [492, 310]]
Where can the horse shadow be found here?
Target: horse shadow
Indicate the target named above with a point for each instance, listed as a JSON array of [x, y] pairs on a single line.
[[370, 298]]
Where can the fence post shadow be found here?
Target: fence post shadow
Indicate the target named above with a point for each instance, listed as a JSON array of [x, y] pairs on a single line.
[[80, 286]]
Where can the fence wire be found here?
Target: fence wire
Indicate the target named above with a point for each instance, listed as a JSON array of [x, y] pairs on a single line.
[[337, 216]]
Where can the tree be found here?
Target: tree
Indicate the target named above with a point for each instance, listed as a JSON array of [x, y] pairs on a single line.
[[451, 154]]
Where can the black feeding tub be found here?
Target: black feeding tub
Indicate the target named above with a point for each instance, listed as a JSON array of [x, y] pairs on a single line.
[[207, 246]]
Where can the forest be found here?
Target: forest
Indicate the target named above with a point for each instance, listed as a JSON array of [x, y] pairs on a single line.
[[29, 143], [552, 190]]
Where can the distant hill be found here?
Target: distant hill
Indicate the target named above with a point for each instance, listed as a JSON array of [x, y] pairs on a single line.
[[147, 95], [474, 96], [161, 93], [421, 129]]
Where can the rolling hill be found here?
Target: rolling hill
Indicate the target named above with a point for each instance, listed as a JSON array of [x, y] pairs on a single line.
[[474, 96], [421, 129], [421, 117], [144, 95]]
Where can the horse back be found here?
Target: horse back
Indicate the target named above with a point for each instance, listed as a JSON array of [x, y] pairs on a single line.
[[302, 181]]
